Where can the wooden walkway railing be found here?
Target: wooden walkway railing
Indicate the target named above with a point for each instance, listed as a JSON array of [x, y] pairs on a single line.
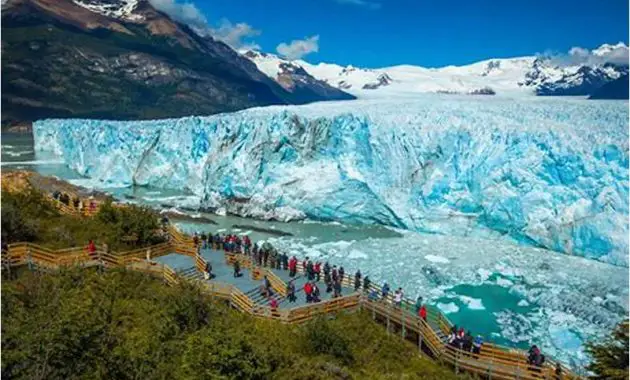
[[494, 361]]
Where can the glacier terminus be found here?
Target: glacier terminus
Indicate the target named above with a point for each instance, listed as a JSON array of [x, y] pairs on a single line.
[[550, 173]]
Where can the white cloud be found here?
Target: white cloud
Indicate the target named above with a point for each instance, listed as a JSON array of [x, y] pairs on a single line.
[[186, 13], [617, 54], [299, 48], [238, 36], [361, 3]]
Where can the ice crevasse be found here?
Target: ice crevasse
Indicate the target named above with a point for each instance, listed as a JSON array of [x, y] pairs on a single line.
[[550, 173]]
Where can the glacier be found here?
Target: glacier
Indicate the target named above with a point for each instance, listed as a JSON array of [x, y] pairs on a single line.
[[550, 173]]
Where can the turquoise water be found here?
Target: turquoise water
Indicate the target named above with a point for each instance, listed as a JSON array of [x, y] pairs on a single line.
[[487, 299]]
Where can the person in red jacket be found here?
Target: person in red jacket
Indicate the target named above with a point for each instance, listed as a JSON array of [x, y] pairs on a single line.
[[308, 289], [423, 312], [91, 248], [273, 304], [317, 270], [292, 266], [304, 265]]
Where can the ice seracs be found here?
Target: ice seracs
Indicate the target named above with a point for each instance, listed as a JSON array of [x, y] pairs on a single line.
[[548, 173]]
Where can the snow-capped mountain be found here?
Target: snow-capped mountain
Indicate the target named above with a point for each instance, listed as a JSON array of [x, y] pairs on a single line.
[[524, 75], [295, 79]]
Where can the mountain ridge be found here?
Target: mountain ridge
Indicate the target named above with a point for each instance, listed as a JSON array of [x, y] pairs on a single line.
[[64, 59], [519, 75]]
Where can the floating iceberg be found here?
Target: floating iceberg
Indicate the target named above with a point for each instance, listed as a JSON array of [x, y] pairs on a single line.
[[546, 172]]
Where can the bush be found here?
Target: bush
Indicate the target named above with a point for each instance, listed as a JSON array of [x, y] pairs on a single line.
[[29, 216], [610, 358], [127, 325], [322, 339]]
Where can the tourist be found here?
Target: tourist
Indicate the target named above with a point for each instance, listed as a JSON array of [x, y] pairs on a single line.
[[373, 296], [337, 289], [357, 280], [315, 293], [535, 357], [422, 313], [195, 239], [92, 204], [335, 274], [477, 343], [208, 272], [468, 342], [310, 271], [460, 338], [366, 284], [452, 338], [273, 304], [398, 297], [91, 248], [558, 371], [75, 202], [385, 291], [418, 304], [317, 269], [267, 285], [291, 291], [265, 256], [341, 274], [326, 268], [308, 289], [237, 269], [328, 282], [285, 261], [204, 240], [305, 265], [56, 195], [292, 266]]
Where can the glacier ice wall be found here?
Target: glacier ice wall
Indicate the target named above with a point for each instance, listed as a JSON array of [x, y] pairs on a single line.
[[547, 172]]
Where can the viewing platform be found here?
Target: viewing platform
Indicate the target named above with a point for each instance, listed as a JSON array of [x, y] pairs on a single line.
[[181, 260]]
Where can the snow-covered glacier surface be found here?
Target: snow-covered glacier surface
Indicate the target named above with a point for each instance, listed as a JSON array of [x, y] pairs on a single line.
[[546, 172]]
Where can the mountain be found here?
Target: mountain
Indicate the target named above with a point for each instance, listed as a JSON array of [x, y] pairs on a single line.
[[547, 79], [521, 75], [617, 89], [123, 59], [294, 79]]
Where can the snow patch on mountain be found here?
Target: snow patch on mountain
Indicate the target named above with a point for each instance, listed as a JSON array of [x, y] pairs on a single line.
[[121, 9]]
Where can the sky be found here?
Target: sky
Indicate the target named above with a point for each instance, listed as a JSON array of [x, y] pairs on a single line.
[[430, 33]]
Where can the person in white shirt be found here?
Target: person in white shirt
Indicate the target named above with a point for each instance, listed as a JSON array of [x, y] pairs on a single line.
[[398, 296]]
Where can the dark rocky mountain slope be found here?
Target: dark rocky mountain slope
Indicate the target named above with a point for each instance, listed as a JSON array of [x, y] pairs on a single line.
[[121, 59]]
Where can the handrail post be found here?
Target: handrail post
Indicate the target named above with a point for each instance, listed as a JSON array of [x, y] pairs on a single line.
[[388, 311], [490, 369], [29, 258], [402, 317], [456, 361], [420, 335]]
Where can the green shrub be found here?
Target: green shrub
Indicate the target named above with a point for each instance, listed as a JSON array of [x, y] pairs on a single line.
[[610, 358], [322, 339], [79, 324], [28, 216]]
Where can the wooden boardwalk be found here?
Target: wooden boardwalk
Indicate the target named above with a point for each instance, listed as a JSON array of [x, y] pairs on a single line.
[[179, 260]]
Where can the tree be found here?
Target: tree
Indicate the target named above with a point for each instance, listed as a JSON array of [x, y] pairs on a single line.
[[610, 358]]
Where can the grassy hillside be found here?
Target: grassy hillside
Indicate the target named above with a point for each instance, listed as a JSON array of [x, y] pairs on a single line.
[[125, 325]]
